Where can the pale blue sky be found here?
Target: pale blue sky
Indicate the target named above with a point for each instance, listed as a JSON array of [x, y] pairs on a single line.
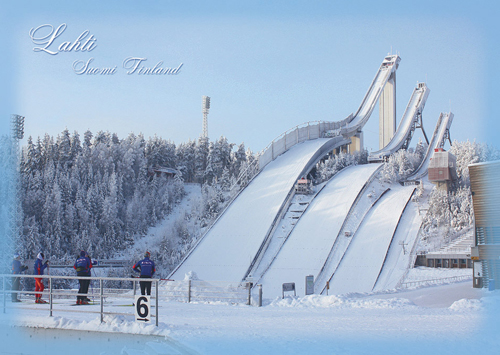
[[266, 66]]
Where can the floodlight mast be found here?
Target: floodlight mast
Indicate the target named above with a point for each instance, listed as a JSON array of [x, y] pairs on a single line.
[[17, 122], [205, 106]]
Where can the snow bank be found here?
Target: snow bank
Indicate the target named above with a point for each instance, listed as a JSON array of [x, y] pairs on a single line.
[[190, 275], [341, 302], [111, 324], [467, 305]]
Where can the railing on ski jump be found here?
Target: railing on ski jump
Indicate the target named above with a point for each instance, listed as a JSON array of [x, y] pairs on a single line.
[[297, 134]]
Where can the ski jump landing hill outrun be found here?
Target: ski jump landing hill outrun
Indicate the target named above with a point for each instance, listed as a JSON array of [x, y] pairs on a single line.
[[347, 236]]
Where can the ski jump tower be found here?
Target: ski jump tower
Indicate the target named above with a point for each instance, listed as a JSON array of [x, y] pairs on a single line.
[[387, 111]]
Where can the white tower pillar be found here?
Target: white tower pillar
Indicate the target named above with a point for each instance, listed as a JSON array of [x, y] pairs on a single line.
[[387, 112]]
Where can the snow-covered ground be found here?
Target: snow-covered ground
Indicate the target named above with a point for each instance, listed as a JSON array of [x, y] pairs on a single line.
[[400, 254], [445, 319], [228, 248], [309, 244], [363, 261], [164, 229]]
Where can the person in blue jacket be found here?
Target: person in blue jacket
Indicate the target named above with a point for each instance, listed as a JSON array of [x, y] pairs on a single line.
[[147, 269], [82, 266], [17, 269], [39, 268]]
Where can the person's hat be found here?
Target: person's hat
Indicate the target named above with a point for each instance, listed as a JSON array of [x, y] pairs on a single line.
[[16, 256], [82, 253], [40, 256], [147, 254]]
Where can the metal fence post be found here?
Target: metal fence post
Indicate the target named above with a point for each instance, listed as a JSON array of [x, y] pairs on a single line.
[[157, 293], [189, 291], [101, 299], [249, 301], [50, 296], [260, 295]]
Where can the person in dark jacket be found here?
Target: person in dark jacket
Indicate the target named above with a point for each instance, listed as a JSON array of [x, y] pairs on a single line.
[[17, 269], [147, 269], [39, 268], [82, 267]]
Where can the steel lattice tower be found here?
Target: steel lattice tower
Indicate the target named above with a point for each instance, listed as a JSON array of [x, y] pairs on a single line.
[[205, 106]]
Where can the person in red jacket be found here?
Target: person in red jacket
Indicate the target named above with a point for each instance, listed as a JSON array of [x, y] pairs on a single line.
[[40, 267]]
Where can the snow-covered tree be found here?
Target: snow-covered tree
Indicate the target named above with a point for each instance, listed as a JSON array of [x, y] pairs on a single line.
[[97, 194], [469, 153], [400, 165]]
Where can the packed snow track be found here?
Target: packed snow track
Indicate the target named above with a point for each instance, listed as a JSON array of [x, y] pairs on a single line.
[[227, 250]]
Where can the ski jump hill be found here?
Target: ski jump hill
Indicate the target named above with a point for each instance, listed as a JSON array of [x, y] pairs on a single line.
[[349, 236]]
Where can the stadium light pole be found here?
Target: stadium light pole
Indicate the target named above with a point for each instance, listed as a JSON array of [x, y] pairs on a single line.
[[205, 106]]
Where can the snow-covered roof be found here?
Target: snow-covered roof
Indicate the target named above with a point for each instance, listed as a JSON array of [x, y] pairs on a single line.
[[486, 163]]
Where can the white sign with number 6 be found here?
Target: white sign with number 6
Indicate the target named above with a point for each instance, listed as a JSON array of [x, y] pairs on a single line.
[[142, 309]]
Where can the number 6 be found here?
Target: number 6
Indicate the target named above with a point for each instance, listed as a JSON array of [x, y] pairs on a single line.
[[142, 309]]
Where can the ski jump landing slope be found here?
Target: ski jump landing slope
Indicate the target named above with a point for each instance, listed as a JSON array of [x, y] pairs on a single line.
[[310, 242], [362, 263], [399, 258], [228, 248]]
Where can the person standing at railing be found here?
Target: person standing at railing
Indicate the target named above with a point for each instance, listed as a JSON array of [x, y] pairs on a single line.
[[147, 269], [39, 267], [17, 269], [82, 267]]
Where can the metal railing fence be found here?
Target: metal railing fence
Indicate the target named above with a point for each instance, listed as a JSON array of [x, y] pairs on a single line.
[[164, 289], [409, 284], [206, 291], [53, 293]]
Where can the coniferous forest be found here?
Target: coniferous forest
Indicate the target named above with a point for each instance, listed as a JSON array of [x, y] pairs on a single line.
[[98, 192]]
